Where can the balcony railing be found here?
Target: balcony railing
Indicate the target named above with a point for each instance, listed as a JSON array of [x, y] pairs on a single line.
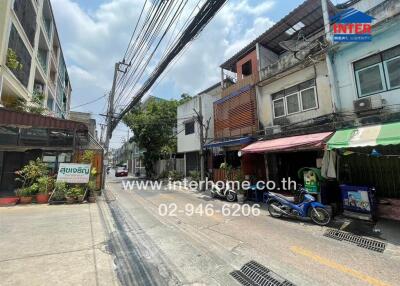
[[251, 79]]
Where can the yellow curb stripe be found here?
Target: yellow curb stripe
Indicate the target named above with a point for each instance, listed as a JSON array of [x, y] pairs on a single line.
[[337, 266]]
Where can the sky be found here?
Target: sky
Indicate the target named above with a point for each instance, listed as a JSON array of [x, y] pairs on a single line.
[[94, 35]]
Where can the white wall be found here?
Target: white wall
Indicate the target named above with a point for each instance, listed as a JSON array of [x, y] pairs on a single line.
[[320, 73], [191, 142], [383, 38]]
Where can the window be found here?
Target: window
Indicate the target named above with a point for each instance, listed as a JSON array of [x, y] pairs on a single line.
[[247, 68], [189, 127], [279, 107], [392, 71], [308, 98], [379, 72], [293, 104], [301, 97]]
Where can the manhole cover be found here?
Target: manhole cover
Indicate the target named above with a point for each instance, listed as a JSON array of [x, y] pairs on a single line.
[[360, 241], [255, 274]]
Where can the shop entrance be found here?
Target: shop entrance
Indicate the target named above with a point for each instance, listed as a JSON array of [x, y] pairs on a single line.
[[286, 165]]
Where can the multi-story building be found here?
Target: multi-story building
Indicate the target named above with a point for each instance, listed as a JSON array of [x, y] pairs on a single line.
[[188, 136], [31, 58], [293, 92], [235, 113]]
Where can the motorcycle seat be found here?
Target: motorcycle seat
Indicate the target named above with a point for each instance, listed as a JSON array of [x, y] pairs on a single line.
[[289, 199]]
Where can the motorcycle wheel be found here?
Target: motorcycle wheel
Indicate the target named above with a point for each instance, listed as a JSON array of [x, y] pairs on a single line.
[[231, 197], [274, 213], [320, 216]]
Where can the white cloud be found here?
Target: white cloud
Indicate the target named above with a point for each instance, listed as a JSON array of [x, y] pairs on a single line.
[[94, 40]]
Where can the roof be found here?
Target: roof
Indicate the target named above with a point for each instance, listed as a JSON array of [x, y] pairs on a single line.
[[309, 13], [12, 118]]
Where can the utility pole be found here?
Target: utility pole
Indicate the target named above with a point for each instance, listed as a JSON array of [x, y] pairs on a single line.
[[110, 114], [201, 140], [203, 127]]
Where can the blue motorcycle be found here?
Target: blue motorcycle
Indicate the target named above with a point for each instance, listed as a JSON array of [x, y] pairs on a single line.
[[303, 206]]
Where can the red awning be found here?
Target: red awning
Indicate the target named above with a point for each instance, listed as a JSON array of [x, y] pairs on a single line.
[[302, 142]]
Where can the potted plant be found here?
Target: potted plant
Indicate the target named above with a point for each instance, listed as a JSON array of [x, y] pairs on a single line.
[[29, 176], [26, 194], [79, 194], [59, 192], [70, 195], [45, 184]]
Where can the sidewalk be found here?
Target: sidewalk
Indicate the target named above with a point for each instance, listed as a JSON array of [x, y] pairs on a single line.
[[54, 245]]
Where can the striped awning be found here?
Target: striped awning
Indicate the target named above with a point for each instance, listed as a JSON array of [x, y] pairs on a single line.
[[384, 134]]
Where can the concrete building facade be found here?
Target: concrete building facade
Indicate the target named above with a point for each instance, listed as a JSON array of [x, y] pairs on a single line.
[[31, 59], [188, 136]]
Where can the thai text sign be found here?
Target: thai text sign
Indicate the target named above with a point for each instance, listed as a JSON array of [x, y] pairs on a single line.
[[73, 173]]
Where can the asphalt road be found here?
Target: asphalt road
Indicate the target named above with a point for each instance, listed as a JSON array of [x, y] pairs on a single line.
[[157, 238]]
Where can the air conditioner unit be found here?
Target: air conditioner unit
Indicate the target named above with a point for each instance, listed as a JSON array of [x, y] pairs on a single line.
[[368, 103], [271, 130]]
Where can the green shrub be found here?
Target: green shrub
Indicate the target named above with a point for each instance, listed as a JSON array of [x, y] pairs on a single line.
[[60, 191], [195, 175], [45, 184], [175, 175], [27, 191]]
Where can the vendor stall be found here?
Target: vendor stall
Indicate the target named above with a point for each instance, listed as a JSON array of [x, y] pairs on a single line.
[[368, 165]]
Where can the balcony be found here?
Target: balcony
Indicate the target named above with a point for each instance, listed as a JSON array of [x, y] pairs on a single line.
[[249, 80], [18, 57], [26, 15], [308, 52]]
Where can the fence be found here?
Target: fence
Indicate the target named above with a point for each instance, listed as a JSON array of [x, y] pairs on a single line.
[[167, 165]]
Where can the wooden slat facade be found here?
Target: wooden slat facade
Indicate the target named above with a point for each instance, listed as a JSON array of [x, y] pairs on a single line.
[[236, 116]]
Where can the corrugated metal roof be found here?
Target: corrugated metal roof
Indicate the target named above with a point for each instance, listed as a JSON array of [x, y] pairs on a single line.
[[309, 13], [24, 119]]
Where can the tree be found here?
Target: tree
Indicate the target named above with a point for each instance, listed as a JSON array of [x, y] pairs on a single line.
[[153, 128]]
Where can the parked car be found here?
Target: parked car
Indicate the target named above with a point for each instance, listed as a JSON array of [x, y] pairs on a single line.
[[121, 171]]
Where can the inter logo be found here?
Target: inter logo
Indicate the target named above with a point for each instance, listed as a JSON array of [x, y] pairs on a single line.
[[352, 26]]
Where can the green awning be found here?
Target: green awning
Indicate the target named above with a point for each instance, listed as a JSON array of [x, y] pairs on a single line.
[[384, 134]]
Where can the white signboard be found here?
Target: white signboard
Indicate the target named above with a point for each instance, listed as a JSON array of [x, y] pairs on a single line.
[[73, 173]]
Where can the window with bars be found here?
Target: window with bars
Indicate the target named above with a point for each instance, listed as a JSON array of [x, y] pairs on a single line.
[[378, 73], [298, 98]]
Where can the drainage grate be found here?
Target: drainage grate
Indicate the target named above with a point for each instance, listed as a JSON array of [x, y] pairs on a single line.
[[255, 274], [360, 241]]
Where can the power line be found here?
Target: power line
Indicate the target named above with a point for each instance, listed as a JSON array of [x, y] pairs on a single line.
[[90, 102], [205, 14]]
